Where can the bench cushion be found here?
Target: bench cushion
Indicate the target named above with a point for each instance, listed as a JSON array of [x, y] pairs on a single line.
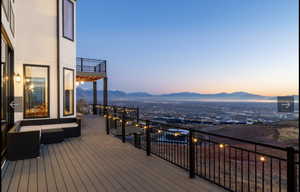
[[50, 126], [52, 136]]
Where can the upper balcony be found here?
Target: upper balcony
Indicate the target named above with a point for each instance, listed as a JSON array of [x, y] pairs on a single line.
[[90, 69]]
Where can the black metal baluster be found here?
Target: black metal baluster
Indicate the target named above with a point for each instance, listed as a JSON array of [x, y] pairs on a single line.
[[168, 149], [214, 164], [235, 170], [271, 174], [123, 127], [209, 158], [148, 139], [200, 158], [191, 154], [248, 171], [242, 170], [159, 143], [224, 166], [279, 175], [165, 146], [263, 176], [196, 159], [230, 167], [255, 165], [219, 165], [205, 148]]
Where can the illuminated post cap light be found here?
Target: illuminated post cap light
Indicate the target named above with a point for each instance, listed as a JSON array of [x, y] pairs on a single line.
[[262, 159], [159, 131], [195, 140], [221, 145]]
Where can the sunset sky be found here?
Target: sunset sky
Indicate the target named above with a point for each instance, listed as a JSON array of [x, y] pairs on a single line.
[[206, 46]]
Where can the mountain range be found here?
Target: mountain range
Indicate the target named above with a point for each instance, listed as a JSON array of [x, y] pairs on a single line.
[[116, 94]]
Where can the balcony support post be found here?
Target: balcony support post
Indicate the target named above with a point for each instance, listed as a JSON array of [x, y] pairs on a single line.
[[115, 114], [123, 128], [148, 139], [105, 100], [94, 97], [291, 170], [191, 154], [105, 91], [137, 115]]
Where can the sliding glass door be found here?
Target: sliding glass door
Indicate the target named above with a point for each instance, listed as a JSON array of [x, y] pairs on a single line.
[[7, 92], [36, 91]]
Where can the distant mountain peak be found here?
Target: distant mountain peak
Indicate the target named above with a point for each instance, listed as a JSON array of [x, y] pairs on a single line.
[[240, 95]]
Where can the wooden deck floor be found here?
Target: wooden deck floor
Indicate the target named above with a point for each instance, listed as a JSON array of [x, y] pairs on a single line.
[[97, 162]]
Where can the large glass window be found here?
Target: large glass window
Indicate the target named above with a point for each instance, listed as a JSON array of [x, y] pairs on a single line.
[[68, 91], [36, 91], [3, 80], [68, 19]]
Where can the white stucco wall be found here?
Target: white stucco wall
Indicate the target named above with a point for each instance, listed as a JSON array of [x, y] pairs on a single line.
[[36, 43], [67, 57]]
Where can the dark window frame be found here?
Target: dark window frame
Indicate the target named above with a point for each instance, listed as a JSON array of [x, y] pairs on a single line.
[[63, 19], [48, 87], [64, 100]]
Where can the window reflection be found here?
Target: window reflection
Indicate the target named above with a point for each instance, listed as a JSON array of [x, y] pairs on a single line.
[[36, 92], [3, 80], [68, 19], [68, 92]]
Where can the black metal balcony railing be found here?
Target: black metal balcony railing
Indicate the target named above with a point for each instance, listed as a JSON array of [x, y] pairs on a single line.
[[90, 65], [232, 163]]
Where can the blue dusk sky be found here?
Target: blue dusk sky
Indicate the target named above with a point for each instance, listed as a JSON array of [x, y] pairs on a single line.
[[206, 46]]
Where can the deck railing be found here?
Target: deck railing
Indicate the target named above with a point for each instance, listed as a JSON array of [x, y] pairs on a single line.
[[90, 65], [232, 163]]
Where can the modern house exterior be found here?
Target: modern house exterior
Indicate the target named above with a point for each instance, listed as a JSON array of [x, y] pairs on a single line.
[[39, 73], [38, 62]]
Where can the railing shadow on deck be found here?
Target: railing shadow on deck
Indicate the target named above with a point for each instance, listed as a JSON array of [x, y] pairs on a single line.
[[232, 163]]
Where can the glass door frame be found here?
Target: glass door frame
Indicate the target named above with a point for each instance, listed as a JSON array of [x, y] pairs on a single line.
[[8, 85]]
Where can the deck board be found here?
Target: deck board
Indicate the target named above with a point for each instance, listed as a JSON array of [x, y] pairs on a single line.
[[24, 177], [32, 180], [15, 179], [72, 169], [97, 162], [6, 179]]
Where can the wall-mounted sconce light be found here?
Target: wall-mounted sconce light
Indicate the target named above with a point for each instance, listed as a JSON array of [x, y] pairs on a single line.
[[18, 78]]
